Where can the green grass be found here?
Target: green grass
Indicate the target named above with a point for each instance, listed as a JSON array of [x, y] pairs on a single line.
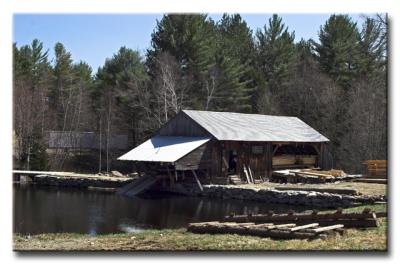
[[372, 239]]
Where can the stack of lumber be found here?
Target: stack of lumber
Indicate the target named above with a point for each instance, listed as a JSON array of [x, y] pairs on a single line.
[[287, 160], [280, 231], [311, 176], [306, 159], [349, 220], [234, 179], [283, 160], [376, 169], [291, 225]]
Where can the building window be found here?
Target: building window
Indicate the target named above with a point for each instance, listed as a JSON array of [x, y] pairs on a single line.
[[257, 149]]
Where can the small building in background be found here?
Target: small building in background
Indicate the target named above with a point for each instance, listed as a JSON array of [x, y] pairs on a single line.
[[84, 141]]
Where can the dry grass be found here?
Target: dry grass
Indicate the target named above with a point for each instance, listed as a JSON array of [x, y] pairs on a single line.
[[373, 239]]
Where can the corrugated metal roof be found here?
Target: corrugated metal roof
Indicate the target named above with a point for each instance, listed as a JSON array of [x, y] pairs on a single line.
[[254, 127], [164, 148]]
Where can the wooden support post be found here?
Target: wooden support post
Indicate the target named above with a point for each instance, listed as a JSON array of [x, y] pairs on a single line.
[[270, 156], [197, 180], [169, 176], [171, 179], [225, 165]]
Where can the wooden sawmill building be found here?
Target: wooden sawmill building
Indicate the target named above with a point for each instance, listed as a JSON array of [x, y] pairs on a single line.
[[215, 147]]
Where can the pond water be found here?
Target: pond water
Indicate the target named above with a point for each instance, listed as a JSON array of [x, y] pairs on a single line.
[[39, 209]]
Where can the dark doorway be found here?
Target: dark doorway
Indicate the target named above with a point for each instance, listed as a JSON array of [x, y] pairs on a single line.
[[232, 162]]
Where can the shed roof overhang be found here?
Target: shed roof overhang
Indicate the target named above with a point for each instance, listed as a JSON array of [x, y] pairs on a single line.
[[164, 149]]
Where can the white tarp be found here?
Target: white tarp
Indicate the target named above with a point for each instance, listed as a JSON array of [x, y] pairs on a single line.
[[164, 149]]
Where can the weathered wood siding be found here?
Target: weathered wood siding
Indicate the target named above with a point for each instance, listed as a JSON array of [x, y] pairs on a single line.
[[258, 163], [199, 158], [182, 125], [216, 161]]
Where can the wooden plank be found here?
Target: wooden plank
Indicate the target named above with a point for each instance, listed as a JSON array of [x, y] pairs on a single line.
[[250, 174], [303, 227], [197, 180], [246, 174], [311, 173], [225, 163], [283, 225], [326, 228]]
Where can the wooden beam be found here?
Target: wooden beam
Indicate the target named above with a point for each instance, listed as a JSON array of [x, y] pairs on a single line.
[[269, 160], [326, 228], [250, 174], [275, 149], [246, 173], [225, 162], [317, 148], [197, 180], [303, 227]]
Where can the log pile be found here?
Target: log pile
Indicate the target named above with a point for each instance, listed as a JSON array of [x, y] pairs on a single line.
[[310, 176], [290, 226], [276, 231], [360, 220]]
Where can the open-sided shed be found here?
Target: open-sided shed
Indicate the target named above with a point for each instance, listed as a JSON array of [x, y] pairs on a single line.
[[219, 145]]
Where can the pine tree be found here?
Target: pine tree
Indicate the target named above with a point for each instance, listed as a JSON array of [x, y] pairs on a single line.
[[38, 155], [337, 49], [32, 79], [275, 51], [190, 39], [116, 96], [234, 55]]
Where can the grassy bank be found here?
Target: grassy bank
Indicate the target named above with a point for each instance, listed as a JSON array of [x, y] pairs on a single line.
[[160, 240]]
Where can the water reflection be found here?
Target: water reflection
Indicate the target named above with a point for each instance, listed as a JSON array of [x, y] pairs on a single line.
[[49, 210]]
